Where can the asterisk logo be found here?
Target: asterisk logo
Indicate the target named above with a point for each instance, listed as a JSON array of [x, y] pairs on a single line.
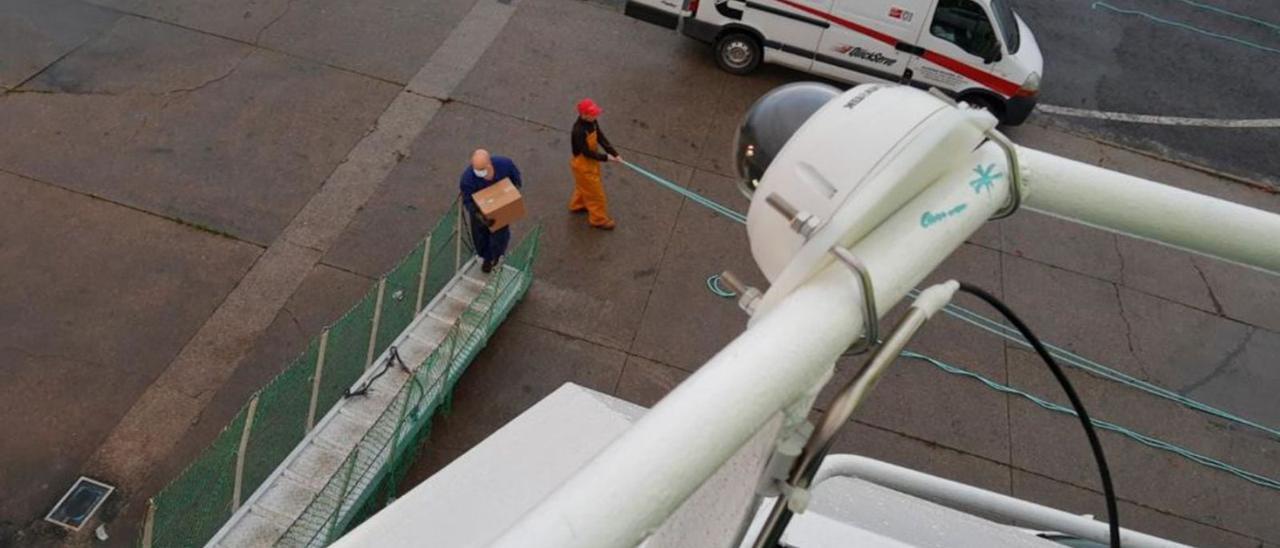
[[985, 178]]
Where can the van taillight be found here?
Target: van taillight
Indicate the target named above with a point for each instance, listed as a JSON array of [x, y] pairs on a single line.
[[693, 8]]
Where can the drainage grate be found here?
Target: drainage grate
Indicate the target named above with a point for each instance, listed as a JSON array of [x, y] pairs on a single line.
[[78, 505]]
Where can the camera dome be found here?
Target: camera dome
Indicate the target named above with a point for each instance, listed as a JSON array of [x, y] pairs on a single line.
[[769, 123]]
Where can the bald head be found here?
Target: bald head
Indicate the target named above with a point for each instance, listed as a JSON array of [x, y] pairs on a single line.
[[480, 159]]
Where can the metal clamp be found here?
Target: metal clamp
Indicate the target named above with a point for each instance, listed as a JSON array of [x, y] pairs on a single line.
[[871, 319], [1015, 174], [1010, 153]]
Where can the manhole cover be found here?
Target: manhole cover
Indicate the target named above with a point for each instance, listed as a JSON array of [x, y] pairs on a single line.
[[78, 505]]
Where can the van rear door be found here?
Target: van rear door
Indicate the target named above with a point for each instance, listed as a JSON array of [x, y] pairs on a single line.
[[870, 40], [665, 13], [791, 28]]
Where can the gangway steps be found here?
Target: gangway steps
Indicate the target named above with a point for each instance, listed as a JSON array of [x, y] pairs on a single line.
[[293, 491]]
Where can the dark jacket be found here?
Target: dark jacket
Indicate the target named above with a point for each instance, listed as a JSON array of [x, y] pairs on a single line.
[[579, 140]]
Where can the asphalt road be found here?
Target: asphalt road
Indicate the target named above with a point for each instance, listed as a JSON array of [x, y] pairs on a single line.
[[1101, 59], [152, 152]]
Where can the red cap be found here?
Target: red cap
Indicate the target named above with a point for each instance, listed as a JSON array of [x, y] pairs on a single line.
[[587, 107]]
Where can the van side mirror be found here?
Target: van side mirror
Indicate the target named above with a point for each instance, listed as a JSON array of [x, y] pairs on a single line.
[[992, 56]]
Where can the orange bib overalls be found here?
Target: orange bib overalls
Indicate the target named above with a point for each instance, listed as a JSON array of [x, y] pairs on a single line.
[[588, 189]]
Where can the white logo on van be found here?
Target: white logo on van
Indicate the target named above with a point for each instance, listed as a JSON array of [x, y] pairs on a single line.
[[866, 55]]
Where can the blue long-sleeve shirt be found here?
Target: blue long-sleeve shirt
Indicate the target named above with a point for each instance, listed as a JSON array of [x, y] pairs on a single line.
[[503, 168]]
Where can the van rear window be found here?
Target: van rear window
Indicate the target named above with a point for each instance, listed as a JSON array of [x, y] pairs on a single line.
[[1008, 23]]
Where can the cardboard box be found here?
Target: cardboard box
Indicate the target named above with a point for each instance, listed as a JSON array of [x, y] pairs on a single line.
[[501, 202]]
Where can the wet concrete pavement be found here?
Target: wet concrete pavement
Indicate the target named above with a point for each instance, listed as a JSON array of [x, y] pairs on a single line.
[[157, 149]]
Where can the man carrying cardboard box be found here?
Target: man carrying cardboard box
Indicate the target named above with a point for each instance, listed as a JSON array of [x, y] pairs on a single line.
[[487, 177]]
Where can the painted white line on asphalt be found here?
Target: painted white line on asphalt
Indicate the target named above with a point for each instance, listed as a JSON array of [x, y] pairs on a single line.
[[1248, 123]]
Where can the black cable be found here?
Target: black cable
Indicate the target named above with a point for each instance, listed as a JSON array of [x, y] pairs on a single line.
[[393, 358], [1113, 514]]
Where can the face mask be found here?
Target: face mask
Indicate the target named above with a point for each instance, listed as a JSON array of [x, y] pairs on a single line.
[[481, 173]]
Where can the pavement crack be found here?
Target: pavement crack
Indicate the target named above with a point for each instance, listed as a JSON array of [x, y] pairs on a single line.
[[210, 81], [257, 37], [344, 269], [24, 91], [197, 397], [441, 100], [1217, 305], [164, 94], [125, 205], [1120, 254], [1226, 362], [294, 320], [68, 53], [1128, 328]]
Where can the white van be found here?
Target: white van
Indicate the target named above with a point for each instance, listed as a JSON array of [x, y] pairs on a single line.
[[978, 51]]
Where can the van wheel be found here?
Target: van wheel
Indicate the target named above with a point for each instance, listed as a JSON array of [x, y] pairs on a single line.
[[738, 53], [983, 102]]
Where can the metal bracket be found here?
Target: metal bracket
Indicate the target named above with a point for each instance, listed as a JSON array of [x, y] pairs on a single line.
[[1010, 152], [803, 222], [1015, 174], [777, 469], [748, 297], [795, 490], [871, 319]]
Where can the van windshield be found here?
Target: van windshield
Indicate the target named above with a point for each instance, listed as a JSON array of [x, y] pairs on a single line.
[[1008, 24]]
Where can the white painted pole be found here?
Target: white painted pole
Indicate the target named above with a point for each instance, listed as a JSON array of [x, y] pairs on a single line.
[[1152, 211], [422, 274], [315, 380], [373, 327], [457, 243], [149, 524], [240, 453], [633, 486]]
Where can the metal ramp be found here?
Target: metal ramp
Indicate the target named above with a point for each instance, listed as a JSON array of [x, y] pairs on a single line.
[[314, 493]]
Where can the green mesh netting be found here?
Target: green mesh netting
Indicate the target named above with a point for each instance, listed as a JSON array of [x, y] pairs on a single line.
[[192, 508], [398, 298], [431, 376], [443, 253], [280, 421], [522, 257], [347, 352]]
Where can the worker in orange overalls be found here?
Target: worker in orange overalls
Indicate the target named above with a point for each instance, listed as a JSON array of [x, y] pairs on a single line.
[[588, 189]]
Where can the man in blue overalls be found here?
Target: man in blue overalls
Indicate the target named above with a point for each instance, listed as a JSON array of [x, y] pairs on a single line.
[[484, 171]]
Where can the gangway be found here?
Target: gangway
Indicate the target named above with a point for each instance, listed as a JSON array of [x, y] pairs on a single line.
[[319, 488]]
